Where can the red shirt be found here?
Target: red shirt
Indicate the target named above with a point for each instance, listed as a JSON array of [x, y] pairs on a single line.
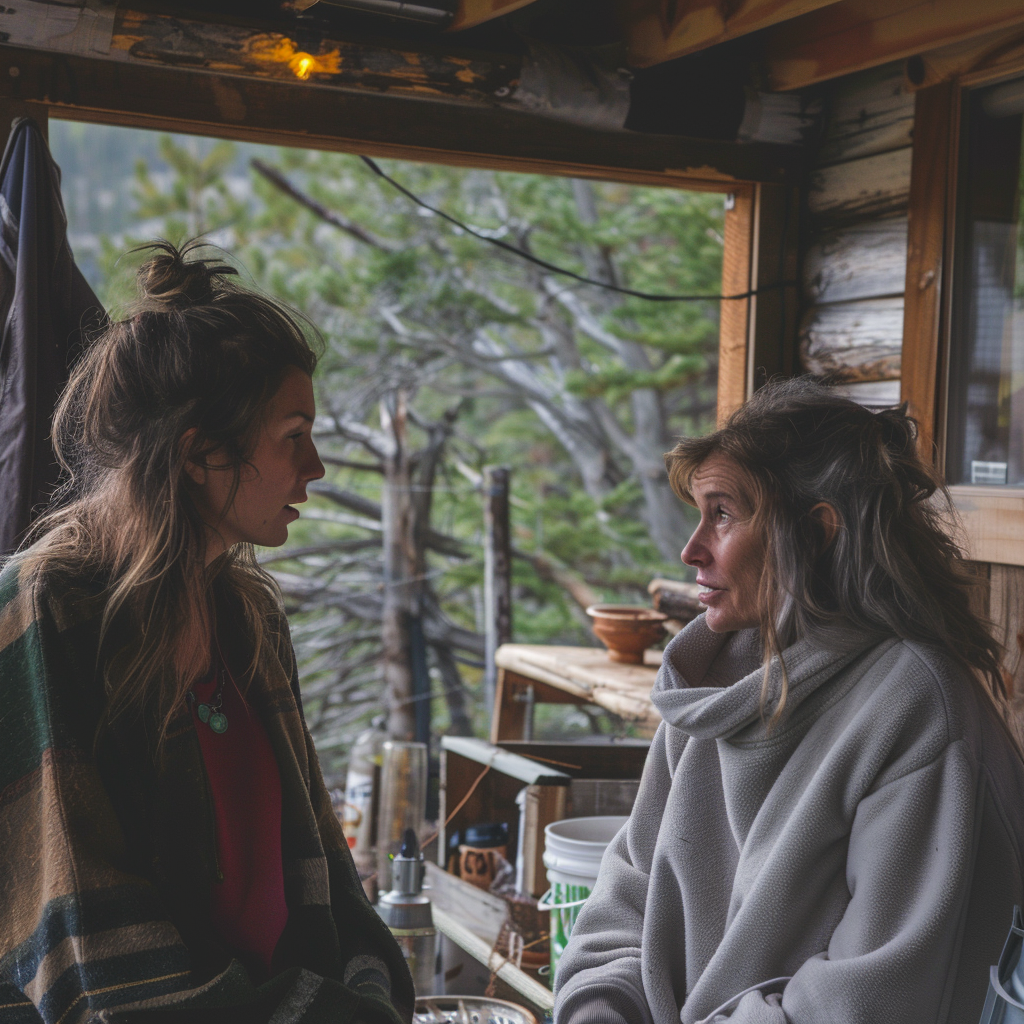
[[247, 908]]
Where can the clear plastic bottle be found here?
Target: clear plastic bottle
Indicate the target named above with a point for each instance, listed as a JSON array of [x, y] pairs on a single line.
[[403, 801], [362, 793]]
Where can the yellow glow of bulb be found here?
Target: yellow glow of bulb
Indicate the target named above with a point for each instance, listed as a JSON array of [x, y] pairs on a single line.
[[302, 65]]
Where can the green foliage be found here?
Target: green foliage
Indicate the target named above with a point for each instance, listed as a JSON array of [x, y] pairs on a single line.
[[415, 304]]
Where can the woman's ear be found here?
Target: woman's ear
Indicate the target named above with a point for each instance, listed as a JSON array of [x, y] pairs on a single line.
[[196, 472], [826, 516]]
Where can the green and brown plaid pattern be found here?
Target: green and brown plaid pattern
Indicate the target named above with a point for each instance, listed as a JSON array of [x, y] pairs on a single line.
[[106, 856]]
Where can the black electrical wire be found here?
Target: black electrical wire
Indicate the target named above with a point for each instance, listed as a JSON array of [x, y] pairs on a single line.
[[553, 268]]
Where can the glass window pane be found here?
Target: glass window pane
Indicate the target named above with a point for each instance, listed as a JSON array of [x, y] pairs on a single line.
[[985, 441]]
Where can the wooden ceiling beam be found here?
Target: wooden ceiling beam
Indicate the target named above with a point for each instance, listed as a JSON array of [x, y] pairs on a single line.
[[476, 12], [858, 34], [971, 60], [654, 34], [437, 71], [293, 113]]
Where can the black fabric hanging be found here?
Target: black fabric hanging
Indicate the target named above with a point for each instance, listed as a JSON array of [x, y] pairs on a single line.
[[45, 304]]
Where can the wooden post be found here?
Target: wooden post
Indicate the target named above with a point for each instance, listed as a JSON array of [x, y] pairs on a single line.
[[757, 336], [734, 319], [773, 273], [497, 573], [927, 269]]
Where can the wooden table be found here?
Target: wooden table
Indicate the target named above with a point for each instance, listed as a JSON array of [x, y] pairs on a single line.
[[531, 674]]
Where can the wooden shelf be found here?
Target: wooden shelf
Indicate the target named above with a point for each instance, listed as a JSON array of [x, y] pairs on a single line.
[[472, 919]]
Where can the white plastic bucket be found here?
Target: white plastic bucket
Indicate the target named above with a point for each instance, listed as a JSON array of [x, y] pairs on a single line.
[[573, 849]]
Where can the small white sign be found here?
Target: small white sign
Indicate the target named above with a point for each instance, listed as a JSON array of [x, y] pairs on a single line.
[[988, 473]]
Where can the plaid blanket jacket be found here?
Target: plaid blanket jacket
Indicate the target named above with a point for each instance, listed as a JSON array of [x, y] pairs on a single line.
[[107, 855]]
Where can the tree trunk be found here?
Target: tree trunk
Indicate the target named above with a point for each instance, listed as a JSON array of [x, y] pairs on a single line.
[[666, 515], [399, 599], [459, 722]]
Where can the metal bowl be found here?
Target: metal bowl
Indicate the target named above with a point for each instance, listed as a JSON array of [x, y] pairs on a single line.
[[469, 1010]]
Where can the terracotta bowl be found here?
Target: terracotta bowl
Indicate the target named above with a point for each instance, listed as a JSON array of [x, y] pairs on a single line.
[[627, 630]]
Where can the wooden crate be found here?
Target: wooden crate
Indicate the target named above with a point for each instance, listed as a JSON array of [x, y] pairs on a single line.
[[496, 774]]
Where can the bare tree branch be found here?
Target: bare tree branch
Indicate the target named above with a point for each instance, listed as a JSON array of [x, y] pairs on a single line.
[[571, 582], [280, 182], [363, 467], [286, 554], [375, 441], [439, 542], [347, 499]]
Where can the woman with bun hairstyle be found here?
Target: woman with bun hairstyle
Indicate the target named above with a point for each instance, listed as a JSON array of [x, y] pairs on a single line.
[[830, 824], [168, 851]]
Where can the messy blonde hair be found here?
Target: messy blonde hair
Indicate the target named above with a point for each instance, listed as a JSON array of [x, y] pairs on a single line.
[[196, 352], [892, 568]]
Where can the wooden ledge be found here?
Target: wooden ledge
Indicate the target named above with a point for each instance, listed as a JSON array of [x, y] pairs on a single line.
[[993, 519], [581, 675]]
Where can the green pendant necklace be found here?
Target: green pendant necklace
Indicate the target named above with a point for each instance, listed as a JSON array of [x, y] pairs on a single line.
[[210, 713]]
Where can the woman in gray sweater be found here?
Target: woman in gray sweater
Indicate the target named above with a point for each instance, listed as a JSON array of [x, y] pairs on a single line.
[[831, 820]]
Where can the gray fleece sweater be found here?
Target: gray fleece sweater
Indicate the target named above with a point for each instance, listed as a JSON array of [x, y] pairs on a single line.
[[859, 863]]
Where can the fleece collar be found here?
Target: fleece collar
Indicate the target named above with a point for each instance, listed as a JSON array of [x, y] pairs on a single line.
[[709, 686]]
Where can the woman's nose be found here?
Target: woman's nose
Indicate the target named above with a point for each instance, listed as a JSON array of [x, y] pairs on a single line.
[[314, 467], [694, 553]]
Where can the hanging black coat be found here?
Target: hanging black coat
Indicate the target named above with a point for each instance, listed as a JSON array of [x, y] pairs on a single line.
[[44, 304]]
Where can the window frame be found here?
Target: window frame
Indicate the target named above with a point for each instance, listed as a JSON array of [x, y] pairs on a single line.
[[992, 517]]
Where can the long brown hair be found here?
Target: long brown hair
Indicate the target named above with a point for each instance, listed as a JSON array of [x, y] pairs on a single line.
[[196, 352], [893, 567]]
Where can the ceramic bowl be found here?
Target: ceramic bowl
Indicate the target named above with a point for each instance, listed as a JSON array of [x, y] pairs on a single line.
[[627, 630]]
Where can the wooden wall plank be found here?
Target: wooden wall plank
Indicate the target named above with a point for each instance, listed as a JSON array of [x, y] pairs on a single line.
[[293, 113], [854, 260], [1006, 613], [734, 318], [657, 31], [882, 394], [868, 113], [858, 34], [872, 186], [857, 261], [860, 341], [930, 186]]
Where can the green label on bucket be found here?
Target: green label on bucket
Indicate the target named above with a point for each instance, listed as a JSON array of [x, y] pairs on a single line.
[[563, 918]]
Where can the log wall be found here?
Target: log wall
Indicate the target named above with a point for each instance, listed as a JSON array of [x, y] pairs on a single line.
[[854, 264], [855, 240]]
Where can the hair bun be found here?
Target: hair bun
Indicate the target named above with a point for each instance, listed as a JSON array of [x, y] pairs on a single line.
[[168, 281], [898, 431]]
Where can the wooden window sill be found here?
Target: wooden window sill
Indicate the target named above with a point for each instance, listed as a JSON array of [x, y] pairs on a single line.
[[993, 519]]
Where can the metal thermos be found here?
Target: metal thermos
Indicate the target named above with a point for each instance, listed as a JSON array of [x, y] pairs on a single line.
[[407, 912]]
